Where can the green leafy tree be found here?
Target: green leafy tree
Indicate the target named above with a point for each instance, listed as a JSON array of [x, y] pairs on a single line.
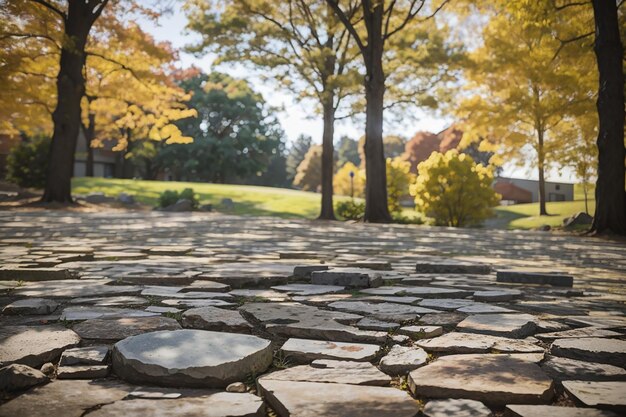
[[453, 190], [309, 175], [235, 134], [303, 46], [28, 161], [348, 151], [297, 152]]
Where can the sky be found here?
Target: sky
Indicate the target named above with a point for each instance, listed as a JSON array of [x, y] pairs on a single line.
[[299, 118]]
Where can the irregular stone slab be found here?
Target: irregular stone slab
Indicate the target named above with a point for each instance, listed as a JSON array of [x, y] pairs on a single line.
[[90, 355], [510, 325], [86, 313], [608, 394], [34, 346], [213, 318], [197, 303], [421, 332], [304, 271], [17, 377], [436, 292], [372, 324], [157, 393], [579, 333], [449, 266], [497, 295], [83, 371], [190, 358], [265, 294], [347, 277], [455, 342], [593, 349], [371, 264], [304, 350], [307, 289], [332, 371], [612, 322], [74, 288], [299, 320], [36, 274], [480, 308], [446, 304], [493, 379], [236, 387], [313, 399], [571, 369], [456, 408], [219, 404], [161, 310], [383, 311], [206, 286], [535, 277], [386, 290], [70, 398], [117, 329], [30, 306], [122, 300], [553, 411], [402, 359], [442, 319], [170, 250]]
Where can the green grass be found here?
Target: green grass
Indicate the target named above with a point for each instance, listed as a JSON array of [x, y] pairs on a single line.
[[526, 216], [249, 200]]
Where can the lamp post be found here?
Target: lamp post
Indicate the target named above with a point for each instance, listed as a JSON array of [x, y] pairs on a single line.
[[352, 185]]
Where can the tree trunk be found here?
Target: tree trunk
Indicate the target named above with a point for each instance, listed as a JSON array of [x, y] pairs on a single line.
[[541, 161], [376, 210], [66, 115], [610, 213], [328, 161], [89, 132], [586, 198]]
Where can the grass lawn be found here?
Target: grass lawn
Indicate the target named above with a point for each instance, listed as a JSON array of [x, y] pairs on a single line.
[[526, 216], [281, 202], [250, 200]]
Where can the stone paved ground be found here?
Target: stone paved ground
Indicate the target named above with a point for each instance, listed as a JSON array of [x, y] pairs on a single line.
[[138, 314]]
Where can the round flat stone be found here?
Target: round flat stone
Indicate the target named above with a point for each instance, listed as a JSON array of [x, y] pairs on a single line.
[[194, 358]]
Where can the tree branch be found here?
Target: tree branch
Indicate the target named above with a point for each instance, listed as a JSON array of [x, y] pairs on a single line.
[[344, 19], [52, 8], [567, 41], [574, 4]]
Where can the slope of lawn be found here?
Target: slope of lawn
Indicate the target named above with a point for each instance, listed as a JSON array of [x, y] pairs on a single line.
[[526, 216], [249, 200]]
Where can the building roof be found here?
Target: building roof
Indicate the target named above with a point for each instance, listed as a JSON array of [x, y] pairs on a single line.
[[512, 192]]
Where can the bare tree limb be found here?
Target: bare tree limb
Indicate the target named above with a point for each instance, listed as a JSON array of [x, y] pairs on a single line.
[[52, 8], [334, 4]]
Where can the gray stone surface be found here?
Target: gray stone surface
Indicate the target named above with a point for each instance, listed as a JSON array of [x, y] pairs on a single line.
[[492, 379], [456, 342], [402, 359], [190, 358], [65, 398], [382, 311], [304, 271], [579, 333], [599, 394], [8, 273], [497, 295], [216, 404], [509, 325], [347, 277], [298, 320], [35, 306], [89, 355], [446, 304], [304, 350], [213, 318], [17, 377], [535, 277], [117, 329], [421, 332], [83, 371], [442, 319], [593, 349], [313, 399], [449, 266], [437, 292], [519, 410], [378, 325], [34, 346], [307, 289], [333, 371], [456, 408], [86, 313], [563, 369], [206, 286]]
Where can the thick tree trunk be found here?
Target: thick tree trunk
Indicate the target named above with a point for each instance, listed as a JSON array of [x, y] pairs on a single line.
[[610, 213], [328, 161], [89, 132], [376, 210], [66, 115]]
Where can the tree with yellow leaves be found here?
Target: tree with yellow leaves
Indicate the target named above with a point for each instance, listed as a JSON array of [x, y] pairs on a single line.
[[453, 190], [350, 180]]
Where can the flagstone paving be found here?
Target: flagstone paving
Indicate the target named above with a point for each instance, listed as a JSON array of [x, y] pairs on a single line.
[[304, 318]]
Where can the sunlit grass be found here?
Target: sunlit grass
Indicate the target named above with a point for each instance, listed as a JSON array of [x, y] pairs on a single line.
[[526, 216]]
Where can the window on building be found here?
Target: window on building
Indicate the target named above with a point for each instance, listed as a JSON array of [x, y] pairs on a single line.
[[557, 187]]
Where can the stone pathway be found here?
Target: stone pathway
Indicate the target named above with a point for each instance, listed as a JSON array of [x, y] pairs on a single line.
[[129, 313]]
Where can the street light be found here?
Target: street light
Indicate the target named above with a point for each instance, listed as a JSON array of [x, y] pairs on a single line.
[[352, 185]]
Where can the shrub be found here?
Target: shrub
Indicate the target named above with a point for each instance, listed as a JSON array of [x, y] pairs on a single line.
[[169, 197], [342, 183], [454, 190], [400, 218], [399, 178], [350, 210], [27, 162]]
